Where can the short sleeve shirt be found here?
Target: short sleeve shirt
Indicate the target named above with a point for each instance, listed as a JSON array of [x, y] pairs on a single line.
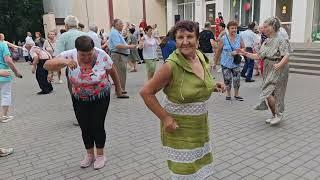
[[89, 84], [204, 41], [4, 51], [115, 39]]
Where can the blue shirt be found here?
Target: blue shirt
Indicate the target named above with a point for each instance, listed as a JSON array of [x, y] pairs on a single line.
[[115, 39], [4, 51], [168, 49], [226, 57]]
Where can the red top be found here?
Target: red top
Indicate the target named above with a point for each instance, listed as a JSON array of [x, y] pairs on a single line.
[[218, 21], [143, 25]]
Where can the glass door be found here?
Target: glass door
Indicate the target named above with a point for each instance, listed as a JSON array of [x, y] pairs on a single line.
[[284, 13]]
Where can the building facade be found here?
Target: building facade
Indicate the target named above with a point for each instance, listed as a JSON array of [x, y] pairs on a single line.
[[301, 18], [102, 12]]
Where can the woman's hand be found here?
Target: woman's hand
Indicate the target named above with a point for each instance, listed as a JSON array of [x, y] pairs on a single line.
[[50, 77], [241, 52], [220, 87], [170, 125], [70, 63]]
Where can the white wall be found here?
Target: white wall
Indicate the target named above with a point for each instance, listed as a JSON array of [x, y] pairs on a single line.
[[266, 10], [198, 16], [299, 12], [172, 10]]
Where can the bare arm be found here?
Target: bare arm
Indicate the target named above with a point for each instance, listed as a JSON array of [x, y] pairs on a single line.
[[10, 63], [148, 93], [114, 75], [284, 60], [55, 64], [13, 45]]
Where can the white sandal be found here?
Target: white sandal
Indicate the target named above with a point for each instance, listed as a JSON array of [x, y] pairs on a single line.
[[5, 152]]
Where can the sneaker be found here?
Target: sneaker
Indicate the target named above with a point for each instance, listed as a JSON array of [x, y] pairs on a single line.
[[60, 82], [238, 98], [100, 162], [276, 120], [87, 161], [250, 80], [5, 152], [219, 70], [269, 120], [6, 119]]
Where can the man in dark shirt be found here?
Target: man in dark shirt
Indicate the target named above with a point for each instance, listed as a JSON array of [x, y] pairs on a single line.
[[206, 43]]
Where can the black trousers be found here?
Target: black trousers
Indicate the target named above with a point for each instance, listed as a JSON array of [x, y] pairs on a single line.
[[42, 77], [91, 118]]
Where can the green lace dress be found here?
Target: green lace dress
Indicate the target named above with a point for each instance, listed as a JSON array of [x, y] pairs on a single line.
[[188, 148]]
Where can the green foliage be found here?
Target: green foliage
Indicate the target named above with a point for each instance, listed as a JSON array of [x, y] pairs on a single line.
[[17, 17]]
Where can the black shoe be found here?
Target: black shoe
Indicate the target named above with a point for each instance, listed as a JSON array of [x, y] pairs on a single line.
[[250, 80], [244, 76], [139, 62], [238, 98], [123, 97], [143, 62], [228, 98], [41, 93]]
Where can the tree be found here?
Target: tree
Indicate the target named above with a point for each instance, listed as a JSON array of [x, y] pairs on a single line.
[[20, 16]]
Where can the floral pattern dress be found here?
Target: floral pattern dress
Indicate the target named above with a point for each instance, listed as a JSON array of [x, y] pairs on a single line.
[[274, 81], [90, 83]]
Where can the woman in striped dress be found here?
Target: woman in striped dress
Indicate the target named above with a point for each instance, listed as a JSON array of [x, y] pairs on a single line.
[[188, 85]]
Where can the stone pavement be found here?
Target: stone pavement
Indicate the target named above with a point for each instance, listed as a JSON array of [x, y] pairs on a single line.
[[48, 146]]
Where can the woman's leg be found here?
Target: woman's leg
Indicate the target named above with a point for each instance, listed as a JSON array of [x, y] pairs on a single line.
[[272, 104], [5, 98], [227, 77], [236, 74], [59, 76], [82, 112]]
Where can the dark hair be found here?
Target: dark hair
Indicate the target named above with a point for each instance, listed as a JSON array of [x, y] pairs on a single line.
[[252, 25], [147, 28], [189, 26], [166, 39], [132, 30], [84, 44], [232, 23], [222, 25], [81, 25], [62, 31]]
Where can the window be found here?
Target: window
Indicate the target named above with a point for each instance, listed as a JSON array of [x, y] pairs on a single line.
[[245, 11], [186, 9]]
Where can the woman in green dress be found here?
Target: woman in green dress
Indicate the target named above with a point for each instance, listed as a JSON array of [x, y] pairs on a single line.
[[275, 53], [188, 85]]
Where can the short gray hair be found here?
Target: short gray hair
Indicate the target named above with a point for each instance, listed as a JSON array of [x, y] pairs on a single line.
[[115, 21], [93, 28], [207, 25], [274, 22], [71, 21]]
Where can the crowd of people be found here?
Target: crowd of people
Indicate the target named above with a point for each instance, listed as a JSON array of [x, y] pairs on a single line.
[[186, 78]]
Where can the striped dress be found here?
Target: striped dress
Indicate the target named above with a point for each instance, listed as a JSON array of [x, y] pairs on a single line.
[[188, 149]]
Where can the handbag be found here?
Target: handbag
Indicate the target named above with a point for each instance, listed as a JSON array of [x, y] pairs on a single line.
[[236, 58]]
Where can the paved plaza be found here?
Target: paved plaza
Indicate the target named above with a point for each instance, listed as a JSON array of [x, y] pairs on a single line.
[[48, 146]]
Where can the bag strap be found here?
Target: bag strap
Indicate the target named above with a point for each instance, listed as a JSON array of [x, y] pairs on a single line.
[[229, 43]]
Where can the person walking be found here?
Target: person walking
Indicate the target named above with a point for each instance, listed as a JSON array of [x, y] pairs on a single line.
[[89, 68], [218, 20], [187, 84], [25, 52], [206, 43], [134, 55], [39, 57], [120, 51], [249, 39], [93, 33], [275, 52], [6, 66], [149, 44], [50, 45], [230, 60]]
